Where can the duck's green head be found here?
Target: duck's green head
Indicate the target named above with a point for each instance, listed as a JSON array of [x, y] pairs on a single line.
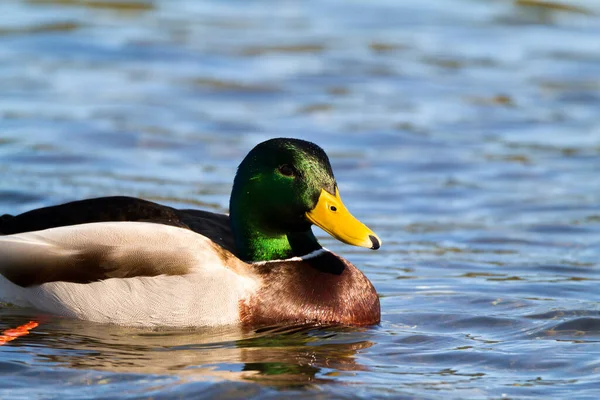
[[282, 187]]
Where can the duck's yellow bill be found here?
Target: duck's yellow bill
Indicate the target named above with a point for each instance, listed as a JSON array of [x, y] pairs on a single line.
[[333, 217]]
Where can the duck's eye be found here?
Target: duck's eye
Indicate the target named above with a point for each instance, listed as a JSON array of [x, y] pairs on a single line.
[[287, 170], [333, 208]]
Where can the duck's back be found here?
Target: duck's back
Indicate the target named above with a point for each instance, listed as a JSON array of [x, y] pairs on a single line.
[[120, 208]]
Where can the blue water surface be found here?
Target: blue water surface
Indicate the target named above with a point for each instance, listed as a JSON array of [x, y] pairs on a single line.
[[466, 133]]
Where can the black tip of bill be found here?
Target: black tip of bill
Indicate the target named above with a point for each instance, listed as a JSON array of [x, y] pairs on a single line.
[[375, 242]]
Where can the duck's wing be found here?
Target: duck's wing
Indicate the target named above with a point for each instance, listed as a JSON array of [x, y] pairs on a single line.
[[92, 252], [120, 208], [212, 225]]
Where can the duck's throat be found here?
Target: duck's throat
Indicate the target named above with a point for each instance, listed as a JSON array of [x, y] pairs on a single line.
[[256, 245]]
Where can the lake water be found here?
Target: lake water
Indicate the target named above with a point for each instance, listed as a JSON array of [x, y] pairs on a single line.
[[465, 133]]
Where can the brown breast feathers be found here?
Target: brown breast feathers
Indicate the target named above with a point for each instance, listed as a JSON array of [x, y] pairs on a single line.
[[322, 289]]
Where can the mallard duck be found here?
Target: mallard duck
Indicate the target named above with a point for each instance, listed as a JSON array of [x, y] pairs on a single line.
[[133, 262]]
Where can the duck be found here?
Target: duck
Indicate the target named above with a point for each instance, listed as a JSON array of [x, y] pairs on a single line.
[[132, 262]]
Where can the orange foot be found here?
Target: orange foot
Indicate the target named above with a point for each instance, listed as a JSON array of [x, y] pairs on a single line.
[[11, 334]]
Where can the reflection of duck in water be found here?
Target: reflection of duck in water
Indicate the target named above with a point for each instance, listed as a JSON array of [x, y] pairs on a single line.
[[291, 355], [132, 262]]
